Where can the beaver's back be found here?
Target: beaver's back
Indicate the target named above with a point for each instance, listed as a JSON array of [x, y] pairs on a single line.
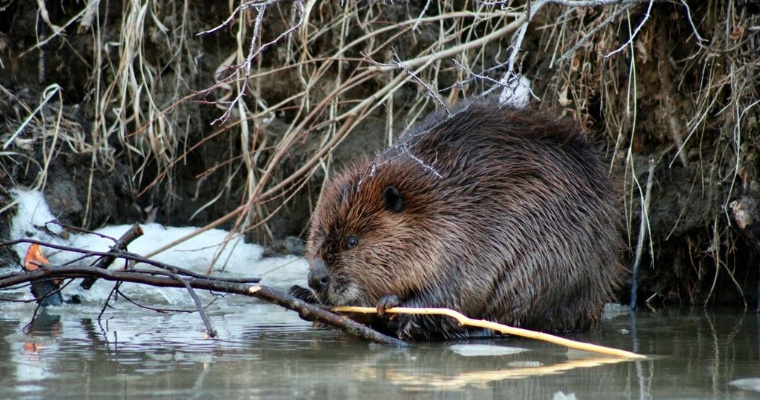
[[503, 214]]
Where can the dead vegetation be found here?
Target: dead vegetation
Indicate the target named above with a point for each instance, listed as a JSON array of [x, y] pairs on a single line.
[[234, 114]]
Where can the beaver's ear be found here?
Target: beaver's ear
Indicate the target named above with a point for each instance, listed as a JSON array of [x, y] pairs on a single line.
[[393, 200]]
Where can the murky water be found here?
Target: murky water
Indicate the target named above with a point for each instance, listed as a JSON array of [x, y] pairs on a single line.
[[266, 352]]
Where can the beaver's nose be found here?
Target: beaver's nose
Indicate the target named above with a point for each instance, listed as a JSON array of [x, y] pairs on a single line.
[[318, 278]]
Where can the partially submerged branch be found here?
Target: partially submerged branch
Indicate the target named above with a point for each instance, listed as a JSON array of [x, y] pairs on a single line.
[[168, 279], [170, 276], [121, 245], [504, 329], [316, 313]]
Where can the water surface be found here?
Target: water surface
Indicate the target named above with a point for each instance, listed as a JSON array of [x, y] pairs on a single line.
[[264, 351]]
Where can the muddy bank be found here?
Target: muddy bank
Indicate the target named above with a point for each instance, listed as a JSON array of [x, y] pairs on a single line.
[[125, 113]]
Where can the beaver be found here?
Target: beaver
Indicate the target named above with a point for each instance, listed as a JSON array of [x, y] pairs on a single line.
[[502, 214]]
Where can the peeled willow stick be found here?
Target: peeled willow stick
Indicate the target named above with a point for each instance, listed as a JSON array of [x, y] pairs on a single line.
[[508, 330]]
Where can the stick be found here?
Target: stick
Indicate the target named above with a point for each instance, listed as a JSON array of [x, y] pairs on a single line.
[[155, 278], [508, 330], [121, 245], [643, 228], [125, 255], [317, 313]]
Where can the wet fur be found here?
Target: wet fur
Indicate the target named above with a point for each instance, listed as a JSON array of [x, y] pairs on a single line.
[[507, 215]]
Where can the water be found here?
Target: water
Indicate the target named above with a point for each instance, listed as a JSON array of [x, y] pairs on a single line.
[[266, 352]]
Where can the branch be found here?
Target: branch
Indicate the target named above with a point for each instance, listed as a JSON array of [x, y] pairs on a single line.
[[125, 255], [429, 90], [311, 311], [590, 34], [448, 53], [159, 279], [121, 245], [507, 330], [518, 37], [635, 32]]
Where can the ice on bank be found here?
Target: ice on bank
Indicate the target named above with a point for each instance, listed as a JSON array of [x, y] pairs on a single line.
[[34, 220]]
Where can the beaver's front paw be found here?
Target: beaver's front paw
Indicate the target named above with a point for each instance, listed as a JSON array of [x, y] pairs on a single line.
[[303, 294], [386, 302]]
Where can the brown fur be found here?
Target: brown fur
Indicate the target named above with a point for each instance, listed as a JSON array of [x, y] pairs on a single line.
[[503, 214]]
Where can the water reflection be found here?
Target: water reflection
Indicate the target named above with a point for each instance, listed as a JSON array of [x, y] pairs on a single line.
[[266, 352]]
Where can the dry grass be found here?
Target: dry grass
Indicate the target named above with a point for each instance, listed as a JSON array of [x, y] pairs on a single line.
[[291, 80], [675, 84]]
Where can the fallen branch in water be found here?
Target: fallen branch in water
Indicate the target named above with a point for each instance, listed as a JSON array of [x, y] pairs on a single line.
[[316, 313], [508, 330], [121, 245], [179, 278]]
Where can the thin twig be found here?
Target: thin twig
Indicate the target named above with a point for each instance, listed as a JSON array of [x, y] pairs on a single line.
[[590, 34], [107, 303], [206, 321], [643, 229], [635, 31], [128, 256], [428, 89], [448, 53], [316, 313]]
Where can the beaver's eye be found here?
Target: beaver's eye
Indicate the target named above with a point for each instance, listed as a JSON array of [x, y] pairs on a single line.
[[351, 242]]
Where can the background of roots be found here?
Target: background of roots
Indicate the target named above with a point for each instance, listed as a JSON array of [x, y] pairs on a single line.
[[194, 112]]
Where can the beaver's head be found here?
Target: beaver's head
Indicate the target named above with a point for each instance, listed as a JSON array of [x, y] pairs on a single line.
[[372, 235]]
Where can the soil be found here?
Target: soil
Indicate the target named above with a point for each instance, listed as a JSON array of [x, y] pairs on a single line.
[[692, 253]]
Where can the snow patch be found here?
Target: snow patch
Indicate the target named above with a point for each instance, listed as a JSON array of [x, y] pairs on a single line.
[[35, 221]]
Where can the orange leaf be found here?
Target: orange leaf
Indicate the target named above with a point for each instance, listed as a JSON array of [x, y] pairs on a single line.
[[34, 254], [31, 346]]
